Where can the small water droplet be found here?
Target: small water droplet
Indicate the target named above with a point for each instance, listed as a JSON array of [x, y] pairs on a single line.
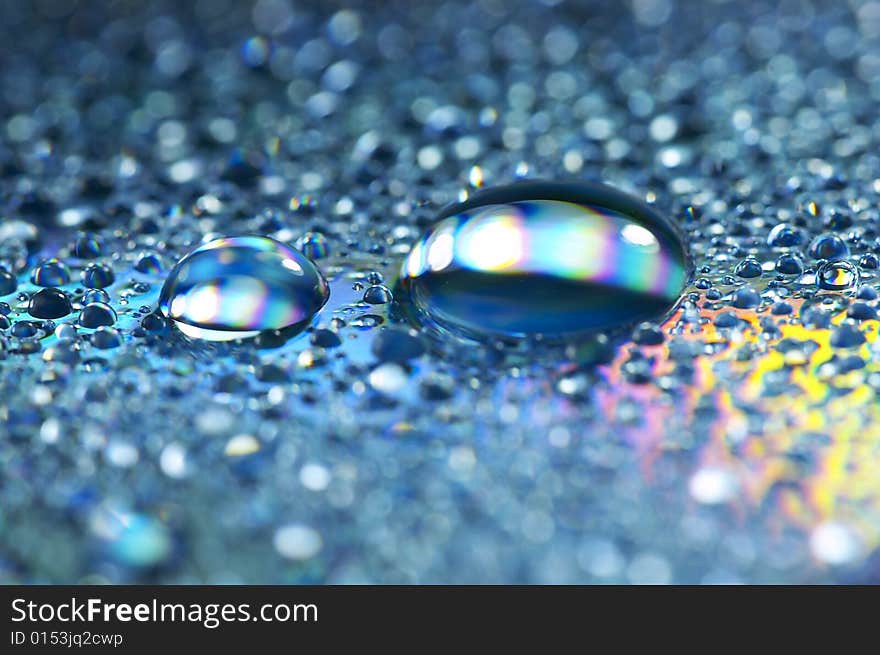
[[51, 273], [66, 331], [869, 261], [88, 246], [149, 263], [367, 321], [545, 258], [95, 295], [312, 357], [780, 309], [377, 295], [313, 245], [98, 276], [326, 339], [846, 336], [237, 287], [790, 264], [866, 292], [106, 338], [96, 314], [647, 334], [862, 312], [153, 322], [8, 283], [24, 329], [745, 298], [784, 236], [748, 268], [828, 246], [837, 276]]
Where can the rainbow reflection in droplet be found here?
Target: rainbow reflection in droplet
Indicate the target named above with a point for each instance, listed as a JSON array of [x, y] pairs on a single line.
[[237, 287], [545, 258]]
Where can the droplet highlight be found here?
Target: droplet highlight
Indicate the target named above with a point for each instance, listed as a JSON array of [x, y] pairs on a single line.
[[544, 258]]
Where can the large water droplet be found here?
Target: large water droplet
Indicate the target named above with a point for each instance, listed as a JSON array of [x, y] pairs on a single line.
[[544, 258], [237, 287], [49, 303]]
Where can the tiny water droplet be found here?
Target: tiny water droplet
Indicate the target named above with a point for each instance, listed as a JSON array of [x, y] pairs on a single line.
[[237, 287], [544, 258]]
